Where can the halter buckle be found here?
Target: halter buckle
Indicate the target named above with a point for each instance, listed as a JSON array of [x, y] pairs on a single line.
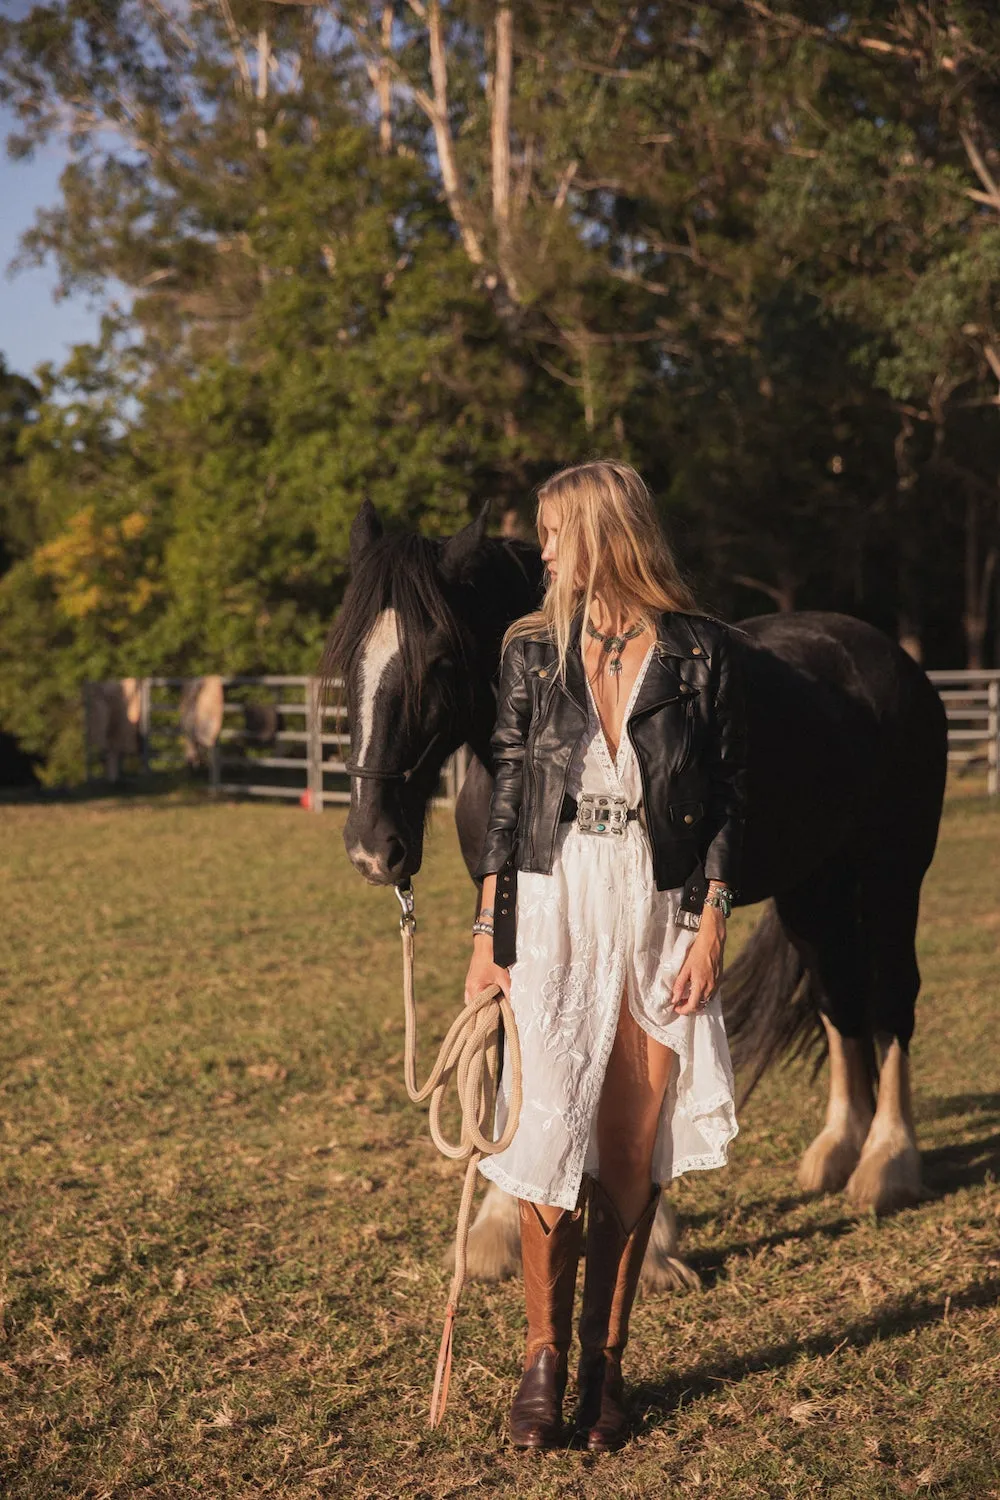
[[407, 920]]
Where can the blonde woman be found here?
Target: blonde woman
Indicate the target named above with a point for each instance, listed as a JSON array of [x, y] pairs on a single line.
[[614, 839]]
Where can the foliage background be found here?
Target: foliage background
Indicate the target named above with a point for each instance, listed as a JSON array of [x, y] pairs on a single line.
[[428, 252]]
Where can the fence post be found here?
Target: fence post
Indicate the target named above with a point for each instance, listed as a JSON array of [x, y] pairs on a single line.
[[993, 728], [87, 751], [314, 743], [145, 695]]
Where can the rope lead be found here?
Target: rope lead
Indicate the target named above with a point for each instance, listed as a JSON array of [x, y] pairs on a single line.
[[471, 1054]]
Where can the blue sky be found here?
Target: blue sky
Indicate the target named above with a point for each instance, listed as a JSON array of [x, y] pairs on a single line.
[[33, 326]]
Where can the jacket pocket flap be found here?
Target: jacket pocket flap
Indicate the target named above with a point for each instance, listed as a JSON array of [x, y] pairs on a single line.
[[686, 814]]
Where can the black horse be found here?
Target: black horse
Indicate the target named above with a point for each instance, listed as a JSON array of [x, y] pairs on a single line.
[[847, 758]]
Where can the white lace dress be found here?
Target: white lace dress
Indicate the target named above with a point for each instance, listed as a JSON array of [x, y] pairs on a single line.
[[597, 924]]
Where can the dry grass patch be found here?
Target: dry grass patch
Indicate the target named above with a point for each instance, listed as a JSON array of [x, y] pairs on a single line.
[[221, 1269]]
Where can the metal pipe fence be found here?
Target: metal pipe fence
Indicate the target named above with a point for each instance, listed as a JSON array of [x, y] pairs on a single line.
[[300, 758], [303, 758], [972, 703]]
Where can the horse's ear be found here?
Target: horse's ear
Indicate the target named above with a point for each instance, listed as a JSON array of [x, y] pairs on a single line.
[[366, 528], [459, 549]]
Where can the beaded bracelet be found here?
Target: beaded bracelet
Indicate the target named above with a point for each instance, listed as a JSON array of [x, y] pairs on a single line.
[[722, 899], [484, 927]]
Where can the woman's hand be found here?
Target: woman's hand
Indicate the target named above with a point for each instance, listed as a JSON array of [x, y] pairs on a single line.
[[482, 969], [702, 968]]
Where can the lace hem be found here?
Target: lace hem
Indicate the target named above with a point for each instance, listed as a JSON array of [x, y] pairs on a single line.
[[701, 1162], [490, 1169], [719, 1158]]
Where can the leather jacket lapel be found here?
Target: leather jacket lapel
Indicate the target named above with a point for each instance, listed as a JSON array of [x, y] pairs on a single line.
[[662, 682], [575, 685]]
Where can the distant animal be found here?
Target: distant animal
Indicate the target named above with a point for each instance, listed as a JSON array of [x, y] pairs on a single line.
[[262, 723], [201, 713], [113, 710], [847, 759]]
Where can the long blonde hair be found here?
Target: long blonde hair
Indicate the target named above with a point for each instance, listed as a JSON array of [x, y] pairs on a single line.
[[610, 533]]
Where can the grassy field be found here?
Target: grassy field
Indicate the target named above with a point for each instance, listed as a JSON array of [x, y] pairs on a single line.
[[223, 1221]]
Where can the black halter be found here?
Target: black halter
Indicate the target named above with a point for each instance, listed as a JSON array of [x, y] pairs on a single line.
[[375, 773]]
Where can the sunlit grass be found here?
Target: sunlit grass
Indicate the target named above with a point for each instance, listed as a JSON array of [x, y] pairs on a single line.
[[224, 1222]]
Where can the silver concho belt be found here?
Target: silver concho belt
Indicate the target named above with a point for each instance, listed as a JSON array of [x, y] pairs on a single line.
[[603, 813]]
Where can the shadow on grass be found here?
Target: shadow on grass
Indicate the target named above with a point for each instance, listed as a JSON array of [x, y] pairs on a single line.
[[709, 1263], [657, 1401], [160, 789], [129, 792], [958, 1104], [965, 1164], [762, 1204]]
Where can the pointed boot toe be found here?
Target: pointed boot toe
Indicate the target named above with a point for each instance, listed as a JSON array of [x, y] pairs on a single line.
[[601, 1423], [614, 1259], [536, 1412], [549, 1255]]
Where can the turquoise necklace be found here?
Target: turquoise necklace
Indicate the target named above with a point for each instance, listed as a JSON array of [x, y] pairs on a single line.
[[614, 645]]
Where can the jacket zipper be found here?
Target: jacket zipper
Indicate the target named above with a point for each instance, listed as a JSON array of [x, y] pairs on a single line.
[[688, 731], [529, 774]]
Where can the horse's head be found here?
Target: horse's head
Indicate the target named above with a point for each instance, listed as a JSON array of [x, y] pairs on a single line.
[[412, 646]]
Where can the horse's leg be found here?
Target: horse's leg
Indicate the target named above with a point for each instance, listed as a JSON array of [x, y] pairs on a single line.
[[829, 1161], [495, 1246], [822, 919], [888, 1176], [495, 1238], [663, 1270]]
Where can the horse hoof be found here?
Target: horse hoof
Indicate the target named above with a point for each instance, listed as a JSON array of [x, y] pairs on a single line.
[[662, 1269], [666, 1274], [886, 1178], [494, 1249], [828, 1163]]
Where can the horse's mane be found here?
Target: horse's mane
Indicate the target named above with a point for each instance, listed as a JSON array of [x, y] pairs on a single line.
[[401, 571]]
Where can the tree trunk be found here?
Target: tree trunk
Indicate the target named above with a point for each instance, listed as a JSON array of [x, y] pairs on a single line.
[[980, 569], [908, 631]]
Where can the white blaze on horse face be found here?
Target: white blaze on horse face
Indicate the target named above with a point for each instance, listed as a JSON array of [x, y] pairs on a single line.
[[381, 647]]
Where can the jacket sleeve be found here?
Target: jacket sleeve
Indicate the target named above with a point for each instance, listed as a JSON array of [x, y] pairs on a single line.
[[727, 757], [507, 744]]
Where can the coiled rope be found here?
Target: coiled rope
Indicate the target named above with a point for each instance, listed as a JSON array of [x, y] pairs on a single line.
[[471, 1055]]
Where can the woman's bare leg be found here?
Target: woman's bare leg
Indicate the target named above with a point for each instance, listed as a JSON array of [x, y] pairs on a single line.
[[628, 1115]]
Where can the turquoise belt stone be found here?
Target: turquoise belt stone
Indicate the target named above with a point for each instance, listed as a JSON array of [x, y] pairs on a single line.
[[599, 813]]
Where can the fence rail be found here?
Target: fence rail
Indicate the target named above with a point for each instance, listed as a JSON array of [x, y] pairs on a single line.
[[300, 759], [319, 779], [972, 703]]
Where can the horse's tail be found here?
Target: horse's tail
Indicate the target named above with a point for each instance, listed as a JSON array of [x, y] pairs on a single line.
[[770, 1000]]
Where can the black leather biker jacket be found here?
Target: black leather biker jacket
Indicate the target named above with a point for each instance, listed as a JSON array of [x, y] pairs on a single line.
[[688, 728]]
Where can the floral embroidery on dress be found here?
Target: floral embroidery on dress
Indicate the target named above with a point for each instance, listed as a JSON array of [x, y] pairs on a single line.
[[563, 1002]]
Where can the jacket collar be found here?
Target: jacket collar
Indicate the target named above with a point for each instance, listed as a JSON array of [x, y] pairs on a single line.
[[677, 640]]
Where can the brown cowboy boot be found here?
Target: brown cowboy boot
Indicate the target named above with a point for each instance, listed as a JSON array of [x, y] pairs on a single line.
[[614, 1260], [550, 1258]]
